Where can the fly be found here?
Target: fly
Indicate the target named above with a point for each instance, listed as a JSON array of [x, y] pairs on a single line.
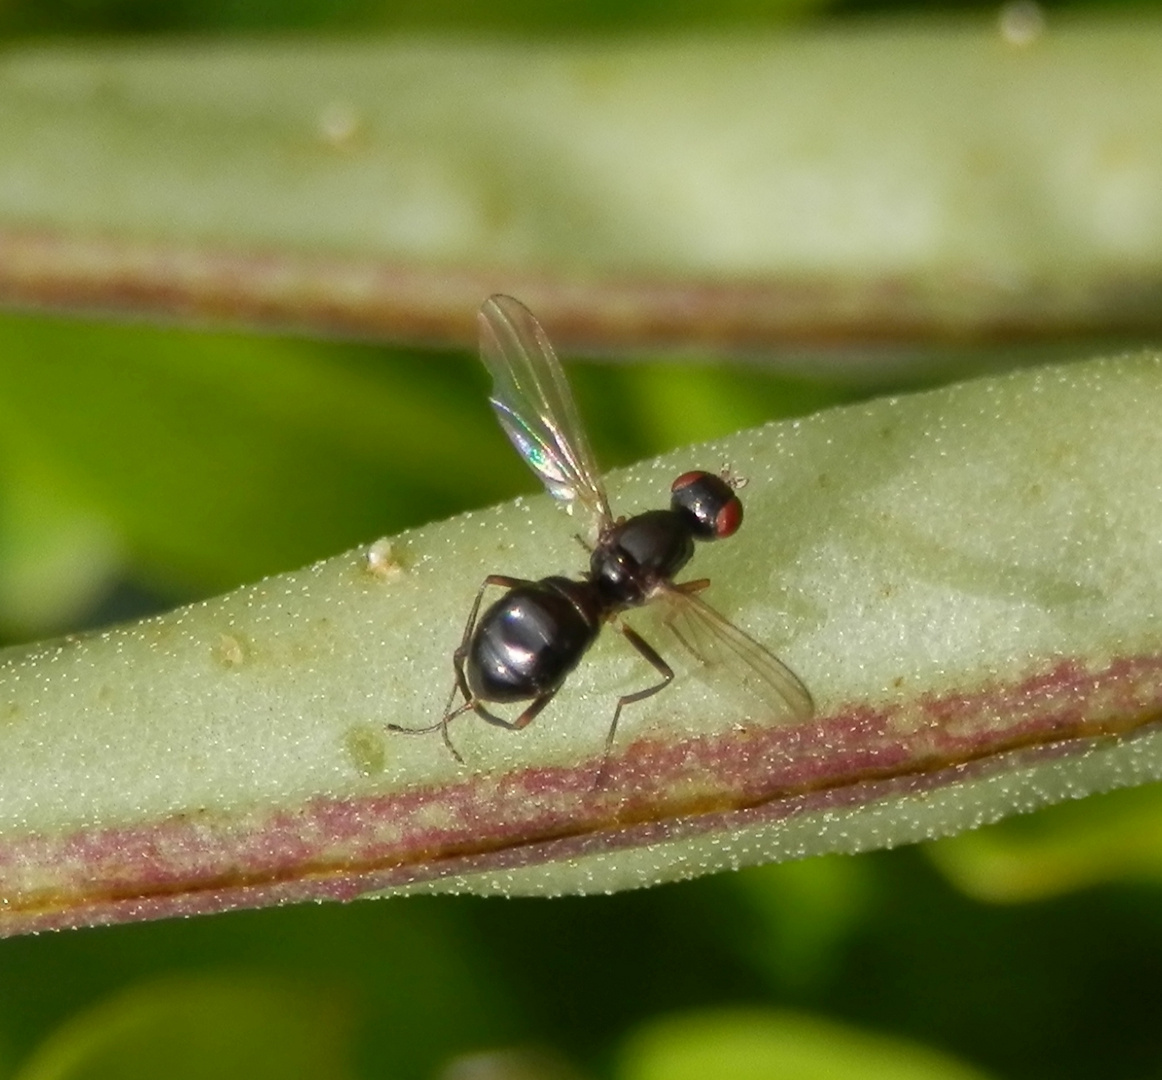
[[526, 643]]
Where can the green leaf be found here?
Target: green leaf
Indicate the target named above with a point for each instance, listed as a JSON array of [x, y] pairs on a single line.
[[57, 555], [1117, 837], [214, 459], [807, 910], [197, 1029], [121, 16], [922, 182], [757, 1045], [966, 580]]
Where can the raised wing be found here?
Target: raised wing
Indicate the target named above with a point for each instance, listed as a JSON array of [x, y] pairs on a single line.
[[532, 401], [740, 661]]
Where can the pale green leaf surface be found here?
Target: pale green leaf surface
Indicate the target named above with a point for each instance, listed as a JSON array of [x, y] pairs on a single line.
[[915, 181], [755, 1045], [967, 580]]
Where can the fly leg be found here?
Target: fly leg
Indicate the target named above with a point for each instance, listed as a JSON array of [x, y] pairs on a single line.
[[650, 654], [461, 683], [660, 666], [527, 717]]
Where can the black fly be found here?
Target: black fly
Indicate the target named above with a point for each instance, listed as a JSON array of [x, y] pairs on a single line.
[[527, 642]]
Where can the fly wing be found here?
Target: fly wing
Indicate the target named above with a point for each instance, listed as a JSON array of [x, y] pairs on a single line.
[[532, 401], [740, 662]]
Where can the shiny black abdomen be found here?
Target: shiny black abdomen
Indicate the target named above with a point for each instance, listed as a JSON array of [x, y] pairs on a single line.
[[634, 556], [531, 638]]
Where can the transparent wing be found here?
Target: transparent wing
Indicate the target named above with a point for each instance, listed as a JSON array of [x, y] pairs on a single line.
[[741, 662], [532, 401]]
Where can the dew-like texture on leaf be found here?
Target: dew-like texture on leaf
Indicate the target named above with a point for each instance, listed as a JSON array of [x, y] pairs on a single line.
[[966, 581]]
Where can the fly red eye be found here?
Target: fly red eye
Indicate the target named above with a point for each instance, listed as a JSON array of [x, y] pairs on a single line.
[[729, 518], [688, 478]]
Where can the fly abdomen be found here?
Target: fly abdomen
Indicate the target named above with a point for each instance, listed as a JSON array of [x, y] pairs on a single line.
[[531, 639]]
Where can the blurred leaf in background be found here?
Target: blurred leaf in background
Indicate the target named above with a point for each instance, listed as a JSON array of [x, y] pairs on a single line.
[[187, 1028], [70, 17], [1106, 838], [753, 1045], [193, 462], [803, 916]]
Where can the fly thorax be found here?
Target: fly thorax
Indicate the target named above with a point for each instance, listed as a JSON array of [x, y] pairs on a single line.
[[634, 556]]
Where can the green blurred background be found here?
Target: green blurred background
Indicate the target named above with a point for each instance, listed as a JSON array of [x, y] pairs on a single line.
[[1031, 950]]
